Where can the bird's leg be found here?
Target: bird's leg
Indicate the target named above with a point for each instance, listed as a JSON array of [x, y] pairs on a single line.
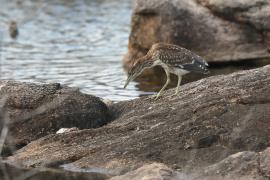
[[165, 85], [178, 84]]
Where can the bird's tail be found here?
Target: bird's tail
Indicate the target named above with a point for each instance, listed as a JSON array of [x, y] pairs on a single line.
[[198, 67]]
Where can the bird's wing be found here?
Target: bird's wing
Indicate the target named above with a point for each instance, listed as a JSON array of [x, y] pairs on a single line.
[[184, 59]]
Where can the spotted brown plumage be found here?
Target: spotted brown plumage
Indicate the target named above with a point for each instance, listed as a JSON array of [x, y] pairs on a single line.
[[179, 57], [174, 59]]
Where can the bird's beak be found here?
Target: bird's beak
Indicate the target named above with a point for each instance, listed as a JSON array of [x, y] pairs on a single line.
[[127, 81]]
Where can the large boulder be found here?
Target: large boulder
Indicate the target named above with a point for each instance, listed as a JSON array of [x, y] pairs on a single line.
[[208, 121], [218, 30], [30, 111]]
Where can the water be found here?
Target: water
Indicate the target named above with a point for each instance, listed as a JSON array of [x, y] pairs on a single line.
[[75, 42]]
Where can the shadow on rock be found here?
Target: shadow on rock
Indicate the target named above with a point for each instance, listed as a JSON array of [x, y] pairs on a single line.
[[31, 111]]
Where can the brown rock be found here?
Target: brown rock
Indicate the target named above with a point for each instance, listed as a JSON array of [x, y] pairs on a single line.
[[217, 30], [32, 111], [245, 165], [14, 172], [255, 13], [265, 162], [242, 165], [155, 171], [209, 120]]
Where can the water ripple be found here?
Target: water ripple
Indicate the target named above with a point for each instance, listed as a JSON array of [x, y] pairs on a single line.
[[78, 43]]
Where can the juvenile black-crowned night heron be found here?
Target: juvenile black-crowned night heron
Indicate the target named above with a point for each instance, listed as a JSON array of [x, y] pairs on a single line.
[[173, 59]]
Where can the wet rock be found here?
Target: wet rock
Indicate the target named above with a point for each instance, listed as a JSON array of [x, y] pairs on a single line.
[[242, 165], [195, 129], [31, 111], [217, 30]]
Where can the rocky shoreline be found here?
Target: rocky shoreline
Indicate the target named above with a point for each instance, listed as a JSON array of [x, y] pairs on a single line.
[[216, 126]]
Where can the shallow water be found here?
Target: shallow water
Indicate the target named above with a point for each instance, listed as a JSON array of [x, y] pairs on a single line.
[[78, 43]]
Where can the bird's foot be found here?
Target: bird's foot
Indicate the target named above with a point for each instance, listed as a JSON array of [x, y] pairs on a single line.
[[155, 97], [174, 94]]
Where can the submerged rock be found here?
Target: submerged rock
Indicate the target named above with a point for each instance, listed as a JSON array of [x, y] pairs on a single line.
[[208, 121], [217, 30], [31, 111]]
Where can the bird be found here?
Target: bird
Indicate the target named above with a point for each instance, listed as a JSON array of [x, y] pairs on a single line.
[[13, 29], [173, 59]]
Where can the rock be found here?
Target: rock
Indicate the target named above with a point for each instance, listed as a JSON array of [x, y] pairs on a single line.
[[218, 30], [243, 165], [252, 12], [67, 130], [12, 172], [36, 110], [155, 171], [208, 121], [265, 162]]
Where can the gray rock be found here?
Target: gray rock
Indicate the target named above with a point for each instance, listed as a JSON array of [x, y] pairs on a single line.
[[209, 120], [32, 110], [217, 30]]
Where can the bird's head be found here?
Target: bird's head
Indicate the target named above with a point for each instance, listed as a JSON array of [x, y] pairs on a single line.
[[137, 68]]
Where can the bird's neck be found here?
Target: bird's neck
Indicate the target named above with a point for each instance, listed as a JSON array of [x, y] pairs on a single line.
[[146, 61]]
